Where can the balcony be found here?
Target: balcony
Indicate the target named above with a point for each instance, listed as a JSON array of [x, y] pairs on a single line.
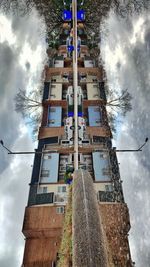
[[49, 72], [102, 91], [45, 198], [114, 163], [106, 196]]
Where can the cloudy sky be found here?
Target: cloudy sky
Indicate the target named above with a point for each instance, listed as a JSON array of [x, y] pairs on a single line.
[[125, 47], [22, 53]]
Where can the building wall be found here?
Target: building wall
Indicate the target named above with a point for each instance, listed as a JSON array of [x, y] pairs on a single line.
[[59, 63], [45, 132], [57, 78], [98, 131], [91, 79], [42, 218], [116, 224], [54, 187], [43, 229], [101, 186], [39, 264], [40, 250], [50, 72]]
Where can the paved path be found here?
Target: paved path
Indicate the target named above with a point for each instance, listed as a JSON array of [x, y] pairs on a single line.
[[88, 241]]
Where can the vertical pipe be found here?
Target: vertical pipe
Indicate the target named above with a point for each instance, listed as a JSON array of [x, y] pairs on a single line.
[[75, 81]]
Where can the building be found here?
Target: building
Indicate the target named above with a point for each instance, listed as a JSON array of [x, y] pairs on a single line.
[[45, 211]]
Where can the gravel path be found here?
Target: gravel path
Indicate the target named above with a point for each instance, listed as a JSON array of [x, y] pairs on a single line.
[[88, 242]]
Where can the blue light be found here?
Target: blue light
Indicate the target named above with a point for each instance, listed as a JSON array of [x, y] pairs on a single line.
[[70, 48], [81, 15], [79, 114], [70, 114], [67, 15]]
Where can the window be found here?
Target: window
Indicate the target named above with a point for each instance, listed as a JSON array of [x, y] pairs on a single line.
[[53, 86], [51, 121], [52, 109], [65, 75], [106, 171], [87, 157], [61, 177], [42, 190], [53, 96], [97, 121], [47, 156], [104, 155], [62, 168], [39, 190], [62, 189], [96, 95], [45, 173], [109, 187], [53, 80], [60, 210], [89, 168], [96, 109]]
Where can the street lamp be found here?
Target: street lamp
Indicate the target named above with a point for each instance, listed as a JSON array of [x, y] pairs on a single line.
[[2, 143], [26, 152], [132, 150], [54, 151]]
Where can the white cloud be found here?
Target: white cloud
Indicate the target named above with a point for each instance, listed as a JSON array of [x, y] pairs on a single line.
[[138, 31], [132, 36], [22, 55], [6, 33]]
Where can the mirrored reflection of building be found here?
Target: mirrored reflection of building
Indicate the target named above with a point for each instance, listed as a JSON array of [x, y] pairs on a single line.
[[45, 211]]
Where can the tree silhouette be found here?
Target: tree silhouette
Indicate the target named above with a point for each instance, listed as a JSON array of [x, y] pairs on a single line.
[[29, 105], [121, 103], [118, 104]]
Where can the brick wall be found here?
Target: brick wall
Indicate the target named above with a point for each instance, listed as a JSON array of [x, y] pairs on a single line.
[[42, 221], [45, 132], [98, 131], [115, 220]]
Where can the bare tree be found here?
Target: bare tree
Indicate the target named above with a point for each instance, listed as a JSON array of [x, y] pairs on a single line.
[[118, 104], [17, 7], [29, 105]]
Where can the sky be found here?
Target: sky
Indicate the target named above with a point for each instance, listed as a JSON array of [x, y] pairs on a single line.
[[22, 57], [125, 49]]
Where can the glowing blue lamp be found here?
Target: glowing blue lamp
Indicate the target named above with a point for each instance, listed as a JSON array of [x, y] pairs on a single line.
[[67, 15], [81, 15]]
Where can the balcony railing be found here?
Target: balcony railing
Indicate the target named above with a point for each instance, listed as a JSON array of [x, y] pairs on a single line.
[[45, 198], [106, 196]]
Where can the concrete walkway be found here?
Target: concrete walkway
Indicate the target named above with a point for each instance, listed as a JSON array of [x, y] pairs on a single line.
[[88, 238]]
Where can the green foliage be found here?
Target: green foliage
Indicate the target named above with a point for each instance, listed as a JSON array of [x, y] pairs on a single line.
[[65, 252]]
